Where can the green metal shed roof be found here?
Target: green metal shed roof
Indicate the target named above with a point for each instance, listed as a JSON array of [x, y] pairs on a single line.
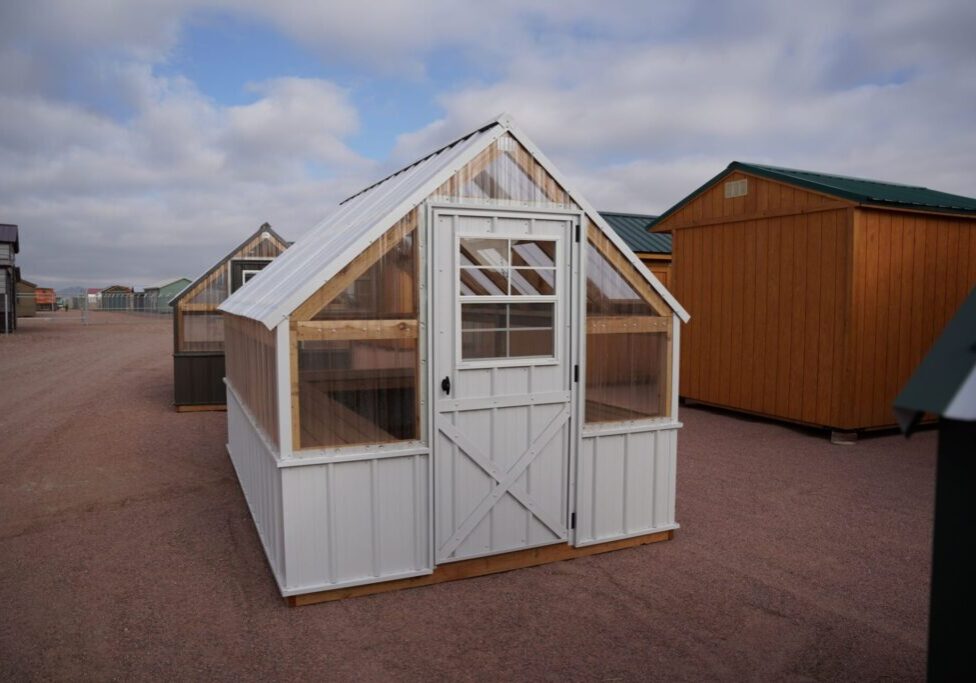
[[945, 381], [861, 190], [632, 228]]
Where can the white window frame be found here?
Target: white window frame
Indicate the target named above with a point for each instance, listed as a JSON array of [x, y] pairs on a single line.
[[554, 299]]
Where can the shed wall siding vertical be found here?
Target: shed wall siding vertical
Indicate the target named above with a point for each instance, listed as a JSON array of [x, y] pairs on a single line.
[[912, 271], [260, 480], [627, 485], [354, 522], [767, 301]]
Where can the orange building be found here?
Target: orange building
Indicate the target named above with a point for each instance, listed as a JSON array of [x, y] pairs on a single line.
[[812, 296]]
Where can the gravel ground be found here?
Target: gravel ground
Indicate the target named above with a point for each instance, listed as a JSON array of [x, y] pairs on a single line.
[[126, 551]]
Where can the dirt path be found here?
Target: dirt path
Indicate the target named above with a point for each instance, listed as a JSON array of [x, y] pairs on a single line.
[[126, 551]]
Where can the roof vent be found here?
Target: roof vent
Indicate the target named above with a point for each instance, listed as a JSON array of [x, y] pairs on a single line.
[[736, 188]]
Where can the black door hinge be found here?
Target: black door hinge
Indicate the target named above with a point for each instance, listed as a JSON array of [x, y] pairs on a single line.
[[572, 521], [576, 373], [578, 232]]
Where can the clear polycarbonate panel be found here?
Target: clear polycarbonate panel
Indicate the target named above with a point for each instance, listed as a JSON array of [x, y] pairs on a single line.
[[625, 376], [265, 246], [358, 357], [251, 370], [213, 290], [626, 365], [505, 172], [357, 391], [201, 332], [607, 291], [387, 287]]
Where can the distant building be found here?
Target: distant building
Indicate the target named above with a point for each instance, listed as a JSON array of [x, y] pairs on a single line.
[[45, 299], [26, 299], [157, 297], [9, 247], [116, 298]]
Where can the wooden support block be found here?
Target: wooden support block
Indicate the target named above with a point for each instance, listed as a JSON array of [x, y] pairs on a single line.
[[481, 566]]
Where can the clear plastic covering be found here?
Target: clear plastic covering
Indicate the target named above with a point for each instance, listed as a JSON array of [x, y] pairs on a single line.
[[199, 327], [252, 371], [627, 341], [357, 346], [505, 172]]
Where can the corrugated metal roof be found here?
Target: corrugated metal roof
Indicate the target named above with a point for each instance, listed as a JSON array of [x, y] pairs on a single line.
[[860, 190], [364, 217], [945, 381], [865, 190], [632, 228]]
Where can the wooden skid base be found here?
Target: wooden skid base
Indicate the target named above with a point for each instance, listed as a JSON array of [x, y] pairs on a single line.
[[201, 408], [480, 566]]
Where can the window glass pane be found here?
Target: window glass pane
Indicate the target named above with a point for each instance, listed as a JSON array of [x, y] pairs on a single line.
[[361, 391], [484, 281], [484, 316], [530, 343], [531, 315], [531, 282], [536, 253], [484, 252], [480, 345]]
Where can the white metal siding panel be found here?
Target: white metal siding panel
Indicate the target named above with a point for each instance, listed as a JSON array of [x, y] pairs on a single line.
[[354, 522], [626, 485], [260, 481]]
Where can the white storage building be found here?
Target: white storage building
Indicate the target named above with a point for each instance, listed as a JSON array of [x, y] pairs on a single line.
[[462, 370]]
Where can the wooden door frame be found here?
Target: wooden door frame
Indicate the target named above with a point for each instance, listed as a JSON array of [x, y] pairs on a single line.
[[576, 337]]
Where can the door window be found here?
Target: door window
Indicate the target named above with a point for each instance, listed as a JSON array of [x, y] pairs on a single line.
[[507, 288]]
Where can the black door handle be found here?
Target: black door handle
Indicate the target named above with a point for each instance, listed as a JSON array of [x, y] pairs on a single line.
[[446, 385]]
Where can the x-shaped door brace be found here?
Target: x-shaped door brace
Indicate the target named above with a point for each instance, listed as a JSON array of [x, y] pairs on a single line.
[[504, 480]]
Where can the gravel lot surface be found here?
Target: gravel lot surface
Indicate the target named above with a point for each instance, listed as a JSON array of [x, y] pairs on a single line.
[[126, 551]]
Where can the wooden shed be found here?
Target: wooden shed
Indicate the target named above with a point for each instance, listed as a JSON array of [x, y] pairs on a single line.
[[653, 249], [462, 370], [198, 327], [814, 295], [26, 299]]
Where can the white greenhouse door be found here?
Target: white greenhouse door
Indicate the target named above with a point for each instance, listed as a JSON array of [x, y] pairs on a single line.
[[502, 380]]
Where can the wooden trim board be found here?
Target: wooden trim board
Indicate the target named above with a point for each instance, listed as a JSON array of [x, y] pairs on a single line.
[[201, 408], [481, 566]]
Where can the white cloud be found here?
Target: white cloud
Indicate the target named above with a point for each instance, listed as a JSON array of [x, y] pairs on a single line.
[[638, 103]]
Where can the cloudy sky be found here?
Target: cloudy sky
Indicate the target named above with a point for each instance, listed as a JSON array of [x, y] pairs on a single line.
[[141, 139]]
